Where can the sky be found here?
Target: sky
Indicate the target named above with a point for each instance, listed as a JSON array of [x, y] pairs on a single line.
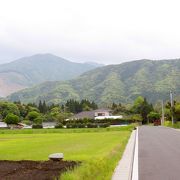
[[104, 31]]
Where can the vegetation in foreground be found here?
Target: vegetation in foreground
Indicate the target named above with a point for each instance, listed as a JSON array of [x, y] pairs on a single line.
[[99, 150]]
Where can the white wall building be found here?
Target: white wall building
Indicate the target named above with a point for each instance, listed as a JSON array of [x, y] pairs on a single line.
[[108, 117], [3, 125]]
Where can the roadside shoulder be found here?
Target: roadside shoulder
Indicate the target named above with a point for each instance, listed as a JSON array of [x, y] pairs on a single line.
[[124, 168]]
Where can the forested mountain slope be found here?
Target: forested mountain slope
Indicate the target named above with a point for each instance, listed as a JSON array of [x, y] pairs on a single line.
[[113, 83], [36, 69]]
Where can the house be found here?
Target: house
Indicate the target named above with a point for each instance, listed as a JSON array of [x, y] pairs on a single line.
[[108, 117], [49, 125], [102, 112], [3, 125], [96, 114]]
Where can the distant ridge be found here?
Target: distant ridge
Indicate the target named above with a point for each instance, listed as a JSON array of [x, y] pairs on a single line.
[[113, 83], [28, 71]]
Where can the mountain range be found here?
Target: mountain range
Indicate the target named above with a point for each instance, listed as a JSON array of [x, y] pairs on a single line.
[[29, 71], [113, 83]]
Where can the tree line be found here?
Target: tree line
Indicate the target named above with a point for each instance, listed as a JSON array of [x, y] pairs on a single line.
[[140, 111], [32, 113]]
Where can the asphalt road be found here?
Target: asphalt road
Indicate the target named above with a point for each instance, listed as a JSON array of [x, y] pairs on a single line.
[[159, 153]]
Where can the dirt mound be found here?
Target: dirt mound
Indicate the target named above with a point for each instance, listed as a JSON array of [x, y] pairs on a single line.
[[33, 170]]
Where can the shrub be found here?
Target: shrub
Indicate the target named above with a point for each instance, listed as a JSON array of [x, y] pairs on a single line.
[[27, 122], [11, 119], [38, 120], [81, 121], [104, 125], [75, 125], [37, 126], [33, 115], [59, 125], [69, 125], [80, 125], [92, 125]]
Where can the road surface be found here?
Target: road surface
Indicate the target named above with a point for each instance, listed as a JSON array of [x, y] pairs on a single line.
[[159, 153]]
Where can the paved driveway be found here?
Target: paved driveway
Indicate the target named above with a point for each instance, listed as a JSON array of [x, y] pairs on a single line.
[[159, 153]]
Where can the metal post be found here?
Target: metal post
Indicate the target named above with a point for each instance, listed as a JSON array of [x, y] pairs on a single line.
[[162, 119], [171, 100]]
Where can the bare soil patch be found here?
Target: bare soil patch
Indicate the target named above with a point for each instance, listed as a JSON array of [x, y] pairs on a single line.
[[34, 170]]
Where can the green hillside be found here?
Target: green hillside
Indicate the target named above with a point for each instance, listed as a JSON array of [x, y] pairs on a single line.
[[113, 83], [36, 69]]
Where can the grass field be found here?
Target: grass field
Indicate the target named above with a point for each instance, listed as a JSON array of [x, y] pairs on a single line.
[[98, 149]]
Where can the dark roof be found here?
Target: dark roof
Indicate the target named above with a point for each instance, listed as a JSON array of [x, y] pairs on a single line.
[[88, 114], [84, 114]]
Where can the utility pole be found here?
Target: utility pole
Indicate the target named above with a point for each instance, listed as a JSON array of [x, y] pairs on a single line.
[[171, 101], [162, 118]]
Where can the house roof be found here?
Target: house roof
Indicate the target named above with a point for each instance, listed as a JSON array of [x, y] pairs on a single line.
[[89, 114], [84, 114]]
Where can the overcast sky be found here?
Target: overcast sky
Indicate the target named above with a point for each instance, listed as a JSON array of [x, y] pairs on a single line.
[[105, 31]]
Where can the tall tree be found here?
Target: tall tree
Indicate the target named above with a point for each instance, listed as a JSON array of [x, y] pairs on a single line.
[[40, 107], [142, 107], [44, 109]]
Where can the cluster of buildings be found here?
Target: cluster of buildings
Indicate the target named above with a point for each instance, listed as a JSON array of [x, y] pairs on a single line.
[[98, 114]]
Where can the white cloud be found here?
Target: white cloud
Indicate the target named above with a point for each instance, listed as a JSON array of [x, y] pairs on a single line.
[[108, 31]]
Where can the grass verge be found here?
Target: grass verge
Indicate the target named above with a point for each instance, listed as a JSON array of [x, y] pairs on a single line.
[[169, 124], [99, 150], [99, 168], [76, 130]]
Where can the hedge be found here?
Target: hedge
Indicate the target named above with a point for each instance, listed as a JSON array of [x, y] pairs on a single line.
[[59, 125], [37, 126], [99, 121]]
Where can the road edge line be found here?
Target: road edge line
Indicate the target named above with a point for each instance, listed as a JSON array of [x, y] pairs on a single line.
[[135, 170]]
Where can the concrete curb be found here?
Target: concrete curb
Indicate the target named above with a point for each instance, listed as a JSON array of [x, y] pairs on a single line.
[[135, 171], [124, 168]]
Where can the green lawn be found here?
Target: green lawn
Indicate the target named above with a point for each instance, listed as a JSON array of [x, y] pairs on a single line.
[[98, 149]]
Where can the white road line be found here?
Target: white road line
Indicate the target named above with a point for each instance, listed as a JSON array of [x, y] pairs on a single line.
[[135, 173]]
